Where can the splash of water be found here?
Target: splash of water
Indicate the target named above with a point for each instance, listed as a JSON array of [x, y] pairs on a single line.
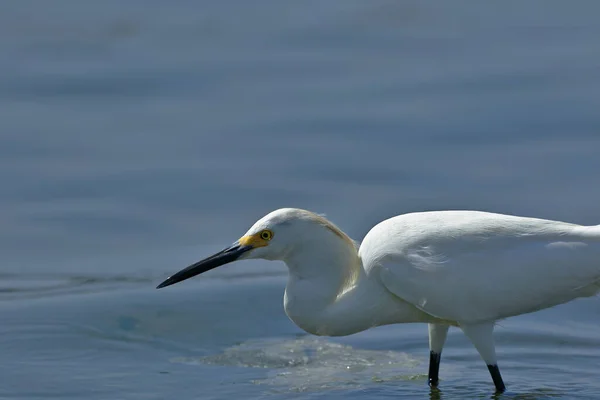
[[311, 363]]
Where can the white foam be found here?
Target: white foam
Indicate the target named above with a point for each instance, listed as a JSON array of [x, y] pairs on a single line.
[[315, 363]]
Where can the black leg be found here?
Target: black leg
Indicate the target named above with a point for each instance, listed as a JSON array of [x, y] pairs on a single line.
[[497, 378], [434, 368]]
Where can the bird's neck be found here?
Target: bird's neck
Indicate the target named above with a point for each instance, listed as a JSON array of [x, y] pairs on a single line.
[[329, 293]]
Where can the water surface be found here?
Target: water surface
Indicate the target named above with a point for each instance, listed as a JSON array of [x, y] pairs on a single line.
[[137, 137]]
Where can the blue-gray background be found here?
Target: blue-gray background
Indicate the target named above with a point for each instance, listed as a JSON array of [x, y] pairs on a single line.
[[139, 136]]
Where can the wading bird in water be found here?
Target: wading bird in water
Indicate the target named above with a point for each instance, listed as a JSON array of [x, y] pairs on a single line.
[[467, 269]]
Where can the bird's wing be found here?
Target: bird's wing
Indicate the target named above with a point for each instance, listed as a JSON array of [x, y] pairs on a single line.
[[482, 270]]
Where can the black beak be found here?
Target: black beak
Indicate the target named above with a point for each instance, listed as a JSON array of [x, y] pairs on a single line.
[[223, 257]]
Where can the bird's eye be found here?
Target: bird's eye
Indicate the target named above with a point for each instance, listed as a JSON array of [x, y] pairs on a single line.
[[266, 234]]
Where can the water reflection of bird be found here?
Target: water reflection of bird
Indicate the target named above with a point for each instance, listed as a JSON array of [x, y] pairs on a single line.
[[445, 268]]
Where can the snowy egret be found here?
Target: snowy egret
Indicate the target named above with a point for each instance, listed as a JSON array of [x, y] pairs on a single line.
[[467, 269]]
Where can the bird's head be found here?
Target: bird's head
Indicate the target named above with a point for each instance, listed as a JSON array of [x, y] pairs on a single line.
[[276, 236]]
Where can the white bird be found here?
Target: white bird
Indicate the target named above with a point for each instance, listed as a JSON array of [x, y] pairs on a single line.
[[467, 269]]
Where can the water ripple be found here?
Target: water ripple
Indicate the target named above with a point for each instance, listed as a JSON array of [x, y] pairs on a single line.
[[310, 363]]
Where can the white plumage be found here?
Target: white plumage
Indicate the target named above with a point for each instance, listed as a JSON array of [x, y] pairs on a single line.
[[445, 268], [471, 267]]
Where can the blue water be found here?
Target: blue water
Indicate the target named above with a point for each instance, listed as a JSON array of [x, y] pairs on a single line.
[[137, 137]]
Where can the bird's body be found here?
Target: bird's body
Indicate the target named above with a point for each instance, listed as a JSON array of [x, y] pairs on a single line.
[[472, 267], [445, 268]]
